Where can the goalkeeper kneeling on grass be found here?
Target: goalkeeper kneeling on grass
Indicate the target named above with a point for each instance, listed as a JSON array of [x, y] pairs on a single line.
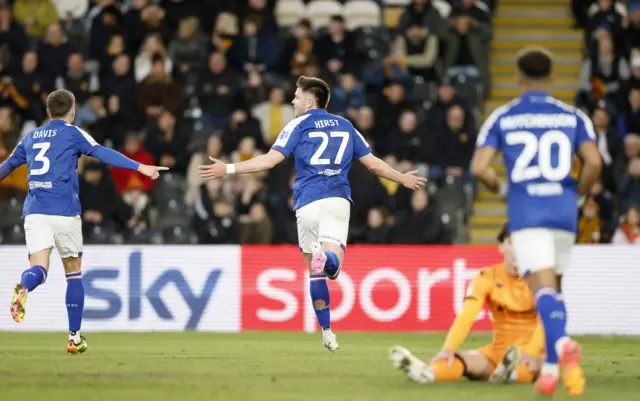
[[516, 352]]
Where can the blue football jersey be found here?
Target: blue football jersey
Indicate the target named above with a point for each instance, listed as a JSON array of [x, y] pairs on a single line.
[[538, 136], [51, 153], [323, 145]]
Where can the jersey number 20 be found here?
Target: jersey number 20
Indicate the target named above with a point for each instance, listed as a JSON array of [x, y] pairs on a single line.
[[316, 158], [524, 171], [42, 158]]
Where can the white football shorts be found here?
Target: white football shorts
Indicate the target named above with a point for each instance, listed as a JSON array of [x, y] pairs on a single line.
[[324, 220], [44, 232], [536, 249]]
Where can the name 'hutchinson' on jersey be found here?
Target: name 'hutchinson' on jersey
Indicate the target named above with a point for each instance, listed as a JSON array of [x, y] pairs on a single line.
[[538, 136], [52, 153], [323, 145]]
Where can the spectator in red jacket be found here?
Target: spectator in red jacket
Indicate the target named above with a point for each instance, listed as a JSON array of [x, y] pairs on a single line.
[[127, 180]]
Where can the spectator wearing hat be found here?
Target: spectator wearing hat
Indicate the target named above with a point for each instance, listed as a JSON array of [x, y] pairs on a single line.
[[419, 48]]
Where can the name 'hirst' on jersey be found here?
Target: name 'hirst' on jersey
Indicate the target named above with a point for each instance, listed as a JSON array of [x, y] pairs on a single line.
[[326, 123], [45, 133]]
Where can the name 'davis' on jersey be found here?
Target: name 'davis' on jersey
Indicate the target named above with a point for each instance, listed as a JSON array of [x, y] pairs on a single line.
[[45, 133], [96, 286]]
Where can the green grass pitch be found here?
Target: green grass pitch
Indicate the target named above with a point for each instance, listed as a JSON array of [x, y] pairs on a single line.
[[269, 367]]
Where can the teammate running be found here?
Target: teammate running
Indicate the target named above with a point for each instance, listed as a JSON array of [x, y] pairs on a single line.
[[52, 208], [518, 339], [323, 146], [538, 136]]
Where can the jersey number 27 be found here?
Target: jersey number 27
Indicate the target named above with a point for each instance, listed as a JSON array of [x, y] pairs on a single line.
[[317, 159], [41, 157], [543, 147]]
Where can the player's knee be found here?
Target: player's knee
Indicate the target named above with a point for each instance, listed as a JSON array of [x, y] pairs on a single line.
[[543, 278], [72, 265], [319, 304]]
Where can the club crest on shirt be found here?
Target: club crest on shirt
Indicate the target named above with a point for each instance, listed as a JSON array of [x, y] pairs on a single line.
[[284, 134]]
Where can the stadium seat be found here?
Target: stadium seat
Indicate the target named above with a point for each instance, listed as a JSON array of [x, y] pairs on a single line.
[[423, 92], [289, 12], [170, 180], [13, 235], [320, 12], [99, 234], [137, 237], [179, 235], [444, 8], [165, 194], [360, 13], [451, 199], [372, 42]]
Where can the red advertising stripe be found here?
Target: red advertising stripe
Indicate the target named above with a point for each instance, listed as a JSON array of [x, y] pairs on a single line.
[[381, 288]]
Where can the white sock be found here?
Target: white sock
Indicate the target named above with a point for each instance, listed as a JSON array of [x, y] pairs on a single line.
[[75, 337], [560, 345], [551, 368]]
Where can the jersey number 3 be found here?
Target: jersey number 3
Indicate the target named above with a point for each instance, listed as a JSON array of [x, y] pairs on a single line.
[[41, 157], [316, 158], [524, 171]]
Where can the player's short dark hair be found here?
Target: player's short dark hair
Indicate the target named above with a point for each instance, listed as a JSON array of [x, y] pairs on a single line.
[[305, 23], [317, 87], [535, 63], [504, 233], [60, 102]]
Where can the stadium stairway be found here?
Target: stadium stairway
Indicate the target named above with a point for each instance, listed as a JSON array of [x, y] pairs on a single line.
[[519, 23]]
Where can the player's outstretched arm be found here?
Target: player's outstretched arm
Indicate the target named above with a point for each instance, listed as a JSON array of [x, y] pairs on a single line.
[[255, 165], [15, 160], [380, 168], [117, 159], [482, 170], [462, 324], [85, 144]]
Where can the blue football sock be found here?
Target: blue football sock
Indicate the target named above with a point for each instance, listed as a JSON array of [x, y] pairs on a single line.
[[332, 265], [553, 315], [33, 277], [320, 298], [75, 301]]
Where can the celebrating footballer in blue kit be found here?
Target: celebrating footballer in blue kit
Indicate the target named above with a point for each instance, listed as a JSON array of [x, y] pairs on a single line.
[[323, 146], [539, 136], [52, 208]]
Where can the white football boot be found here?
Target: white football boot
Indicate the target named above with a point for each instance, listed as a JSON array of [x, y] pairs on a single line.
[[411, 366], [329, 340]]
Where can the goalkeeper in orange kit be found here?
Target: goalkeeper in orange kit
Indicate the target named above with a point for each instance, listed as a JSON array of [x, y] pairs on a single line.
[[516, 352]]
